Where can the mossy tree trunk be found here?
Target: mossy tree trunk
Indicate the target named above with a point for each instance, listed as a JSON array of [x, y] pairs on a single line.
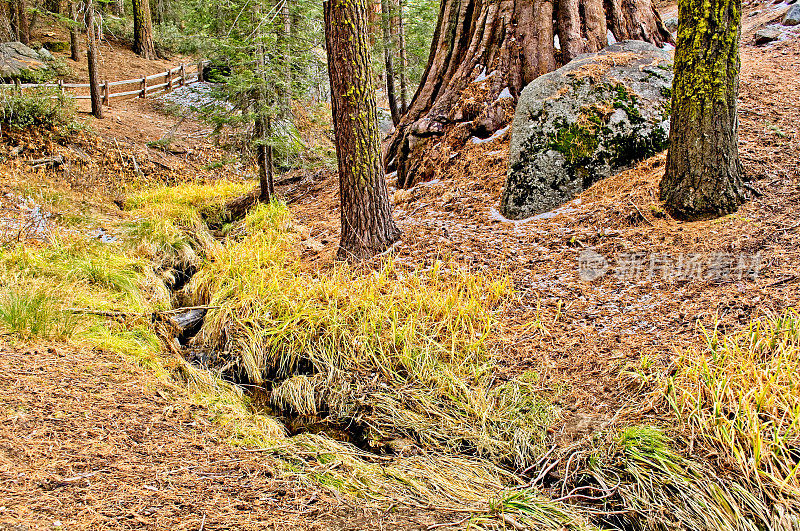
[[143, 30], [703, 177], [91, 57], [514, 40], [366, 215]]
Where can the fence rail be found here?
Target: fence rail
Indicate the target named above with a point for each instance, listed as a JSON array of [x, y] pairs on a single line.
[[174, 77]]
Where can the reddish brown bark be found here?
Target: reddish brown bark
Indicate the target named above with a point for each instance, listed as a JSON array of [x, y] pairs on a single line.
[[143, 30], [366, 214]]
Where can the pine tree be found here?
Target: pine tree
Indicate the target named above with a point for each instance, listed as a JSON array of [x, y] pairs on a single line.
[[91, 57], [74, 49], [366, 215], [704, 174], [143, 30]]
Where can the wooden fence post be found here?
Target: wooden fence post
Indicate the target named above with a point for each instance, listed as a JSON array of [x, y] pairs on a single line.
[[200, 71], [106, 98], [183, 75], [169, 80], [144, 87], [61, 86]]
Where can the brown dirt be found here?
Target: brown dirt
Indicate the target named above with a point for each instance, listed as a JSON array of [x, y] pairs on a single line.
[[89, 441], [116, 59]]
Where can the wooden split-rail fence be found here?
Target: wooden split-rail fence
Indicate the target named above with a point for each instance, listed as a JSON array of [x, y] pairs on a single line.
[[145, 86]]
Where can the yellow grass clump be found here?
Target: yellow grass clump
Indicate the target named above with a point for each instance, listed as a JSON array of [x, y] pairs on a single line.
[[741, 400], [397, 353]]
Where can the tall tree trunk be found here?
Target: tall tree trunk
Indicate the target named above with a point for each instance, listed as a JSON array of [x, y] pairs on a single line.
[[20, 21], [263, 130], [91, 56], [372, 20], [287, 60], [391, 94], [507, 43], [403, 67], [265, 163], [703, 176], [159, 14], [366, 214], [74, 45], [143, 30]]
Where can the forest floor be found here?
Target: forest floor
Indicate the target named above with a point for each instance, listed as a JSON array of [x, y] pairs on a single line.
[[597, 332], [90, 440]]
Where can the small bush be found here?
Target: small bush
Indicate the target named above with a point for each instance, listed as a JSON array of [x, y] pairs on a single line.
[[169, 40], [41, 108], [120, 28], [56, 46]]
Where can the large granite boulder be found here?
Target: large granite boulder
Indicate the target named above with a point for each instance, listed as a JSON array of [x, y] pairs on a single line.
[[18, 61], [792, 17], [586, 121]]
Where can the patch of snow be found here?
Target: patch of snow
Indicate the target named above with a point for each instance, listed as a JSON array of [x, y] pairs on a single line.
[[195, 96], [481, 77], [668, 47], [505, 94], [494, 214], [556, 42], [102, 235], [610, 37], [495, 152], [498, 134]]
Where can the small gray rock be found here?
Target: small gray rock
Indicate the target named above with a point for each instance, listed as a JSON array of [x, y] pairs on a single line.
[[767, 35], [586, 121], [45, 54], [792, 17], [385, 123]]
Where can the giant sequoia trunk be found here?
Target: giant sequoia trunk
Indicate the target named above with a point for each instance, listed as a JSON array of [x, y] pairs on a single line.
[[704, 174], [509, 43], [143, 30], [366, 214]]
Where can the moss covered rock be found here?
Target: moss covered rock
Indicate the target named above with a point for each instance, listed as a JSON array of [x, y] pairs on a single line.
[[584, 122], [18, 61]]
